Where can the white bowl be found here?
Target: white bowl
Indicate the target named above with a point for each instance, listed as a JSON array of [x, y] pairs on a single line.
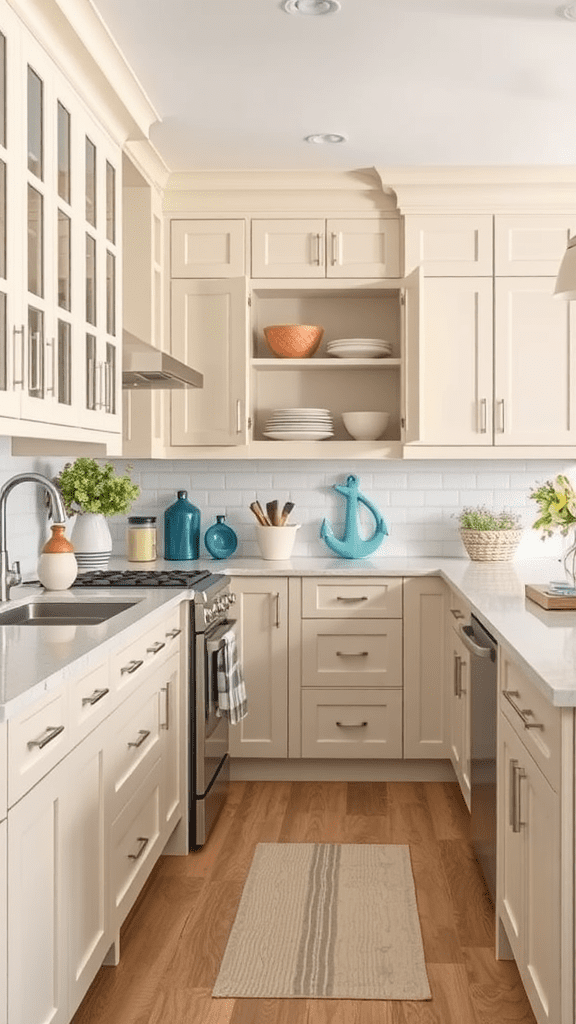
[[365, 426]]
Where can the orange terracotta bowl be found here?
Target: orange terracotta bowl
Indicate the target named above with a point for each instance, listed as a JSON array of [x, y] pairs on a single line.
[[293, 341]]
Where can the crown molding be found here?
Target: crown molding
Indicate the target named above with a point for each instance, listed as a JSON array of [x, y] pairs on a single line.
[[76, 38], [362, 180], [503, 189], [148, 162]]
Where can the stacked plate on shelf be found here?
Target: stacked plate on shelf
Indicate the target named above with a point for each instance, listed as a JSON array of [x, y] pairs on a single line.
[[299, 425], [358, 348]]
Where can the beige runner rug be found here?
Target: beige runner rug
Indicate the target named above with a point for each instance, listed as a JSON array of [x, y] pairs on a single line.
[[326, 921]]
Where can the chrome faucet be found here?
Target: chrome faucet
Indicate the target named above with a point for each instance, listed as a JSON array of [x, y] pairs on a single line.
[[10, 577]]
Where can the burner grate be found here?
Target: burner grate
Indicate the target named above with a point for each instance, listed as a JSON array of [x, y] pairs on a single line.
[[141, 578]]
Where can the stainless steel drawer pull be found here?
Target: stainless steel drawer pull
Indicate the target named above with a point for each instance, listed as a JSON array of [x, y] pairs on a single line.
[[172, 633], [516, 775], [351, 654], [131, 667], [143, 840], [457, 613], [166, 690], [457, 675], [50, 734], [156, 647], [95, 697], [351, 725], [524, 713], [143, 734], [350, 600]]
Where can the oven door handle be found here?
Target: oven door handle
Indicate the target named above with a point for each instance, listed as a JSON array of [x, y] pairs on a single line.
[[214, 642]]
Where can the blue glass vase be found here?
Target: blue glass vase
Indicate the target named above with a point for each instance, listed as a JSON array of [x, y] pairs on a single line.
[[220, 539], [181, 530]]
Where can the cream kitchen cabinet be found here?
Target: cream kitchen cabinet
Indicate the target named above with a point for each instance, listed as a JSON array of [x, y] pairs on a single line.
[[449, 246], [59, 311], [477, 385], [457, 683], [262, 611], [531, 245], [142, 248], [209, 332], [351, 667], [326, 248], [207, 248], [529, 896], [426, 699]]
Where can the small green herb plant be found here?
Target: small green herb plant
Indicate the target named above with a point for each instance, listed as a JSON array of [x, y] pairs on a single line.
[[88, 487], [481, 518], [557, 503]]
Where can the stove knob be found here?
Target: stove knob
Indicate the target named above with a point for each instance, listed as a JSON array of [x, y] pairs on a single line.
[[231, 598]]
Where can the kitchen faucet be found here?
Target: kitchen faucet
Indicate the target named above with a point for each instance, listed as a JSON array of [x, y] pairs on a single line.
[[10, 577]]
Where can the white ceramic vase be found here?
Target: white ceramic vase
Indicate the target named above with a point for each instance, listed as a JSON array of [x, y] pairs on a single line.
[[92, 541]]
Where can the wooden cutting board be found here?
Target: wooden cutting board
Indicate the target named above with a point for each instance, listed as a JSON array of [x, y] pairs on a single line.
[[552, 602]]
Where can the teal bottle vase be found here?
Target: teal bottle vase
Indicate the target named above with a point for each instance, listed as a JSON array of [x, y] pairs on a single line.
[[181, 530], [220, 539]]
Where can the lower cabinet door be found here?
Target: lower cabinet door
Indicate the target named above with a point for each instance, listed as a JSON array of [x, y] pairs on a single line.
[[36, 927], [459, 713], [3, 926], [84, 856], [529, 882], [171, 741], [135, 843], [262, 611], [425, 668], [352, 723]]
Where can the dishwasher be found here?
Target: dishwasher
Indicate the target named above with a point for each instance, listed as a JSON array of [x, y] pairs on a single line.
[[483, 710]]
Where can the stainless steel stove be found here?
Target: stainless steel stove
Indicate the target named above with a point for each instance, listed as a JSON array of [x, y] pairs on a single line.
[[210, 600]]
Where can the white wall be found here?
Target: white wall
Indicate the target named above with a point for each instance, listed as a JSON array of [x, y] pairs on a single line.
[[417, 499]]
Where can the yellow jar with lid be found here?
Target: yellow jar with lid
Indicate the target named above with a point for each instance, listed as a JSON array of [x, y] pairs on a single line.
[[141, 539]]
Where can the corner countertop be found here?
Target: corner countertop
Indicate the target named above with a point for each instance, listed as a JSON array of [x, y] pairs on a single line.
[[543, 643]]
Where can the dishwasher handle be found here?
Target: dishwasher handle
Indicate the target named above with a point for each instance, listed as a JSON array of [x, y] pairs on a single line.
[[466, 634]]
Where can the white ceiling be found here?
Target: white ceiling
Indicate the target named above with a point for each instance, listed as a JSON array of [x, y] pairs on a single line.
[[239, 83]]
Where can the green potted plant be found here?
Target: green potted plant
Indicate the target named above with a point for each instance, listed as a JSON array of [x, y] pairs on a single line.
[[92, 493], [489, 536]]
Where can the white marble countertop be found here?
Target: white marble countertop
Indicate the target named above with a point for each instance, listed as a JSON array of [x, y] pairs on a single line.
[[34, 659]]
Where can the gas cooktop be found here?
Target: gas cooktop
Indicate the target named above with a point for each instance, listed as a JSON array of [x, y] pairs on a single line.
[[141, 578]]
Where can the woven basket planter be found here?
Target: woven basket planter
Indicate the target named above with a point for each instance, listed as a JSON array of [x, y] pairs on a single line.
[[491, 545]]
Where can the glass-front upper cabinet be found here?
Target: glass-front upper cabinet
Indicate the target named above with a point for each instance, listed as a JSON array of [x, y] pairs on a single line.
[[11, 329]]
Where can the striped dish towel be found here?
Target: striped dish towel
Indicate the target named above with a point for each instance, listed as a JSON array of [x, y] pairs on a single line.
[[231, 688]]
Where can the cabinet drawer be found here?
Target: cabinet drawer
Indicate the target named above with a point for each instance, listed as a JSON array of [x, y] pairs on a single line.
[[339, 597], [37, 739], [352, 723], [134, 743], [91, 700], [135, 845], [351, 653], [131, 664], [539, 724]]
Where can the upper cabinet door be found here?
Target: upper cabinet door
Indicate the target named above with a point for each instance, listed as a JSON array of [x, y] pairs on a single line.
[[210, 333], [455, 362], [535, 386], [531, 244], [445, 246], [363, 248], [12, 339], [207, 248], [289, 248]]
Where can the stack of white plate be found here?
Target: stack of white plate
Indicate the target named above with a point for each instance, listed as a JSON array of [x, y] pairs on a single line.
[[299, 425], [358, 348]]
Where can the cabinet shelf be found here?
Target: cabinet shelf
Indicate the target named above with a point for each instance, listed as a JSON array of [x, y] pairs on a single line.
[[328, 449], [325, 364]]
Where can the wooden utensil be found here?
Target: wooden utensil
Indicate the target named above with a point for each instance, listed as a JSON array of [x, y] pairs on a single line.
[[257, 510], [272, 510], [286, 512]]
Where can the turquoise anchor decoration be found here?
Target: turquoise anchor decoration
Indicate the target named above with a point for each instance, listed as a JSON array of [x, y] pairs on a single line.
[[352, 545]]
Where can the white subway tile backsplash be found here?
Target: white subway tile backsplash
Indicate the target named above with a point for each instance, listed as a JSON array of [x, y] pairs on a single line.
[[419, 501]]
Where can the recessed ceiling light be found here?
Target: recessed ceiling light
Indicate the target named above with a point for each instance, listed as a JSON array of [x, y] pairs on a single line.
[[329, 137], [311, 6]]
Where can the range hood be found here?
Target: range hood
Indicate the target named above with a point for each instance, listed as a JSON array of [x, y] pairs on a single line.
[[145, 367]]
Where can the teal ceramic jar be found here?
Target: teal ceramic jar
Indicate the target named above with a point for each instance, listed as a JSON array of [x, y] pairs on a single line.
[[220, 539], [181, 530]]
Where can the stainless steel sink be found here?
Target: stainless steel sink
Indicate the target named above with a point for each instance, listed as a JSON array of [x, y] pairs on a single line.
[[63, 613]]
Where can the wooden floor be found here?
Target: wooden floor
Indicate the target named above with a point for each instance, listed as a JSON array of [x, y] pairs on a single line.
[[173, 941]]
